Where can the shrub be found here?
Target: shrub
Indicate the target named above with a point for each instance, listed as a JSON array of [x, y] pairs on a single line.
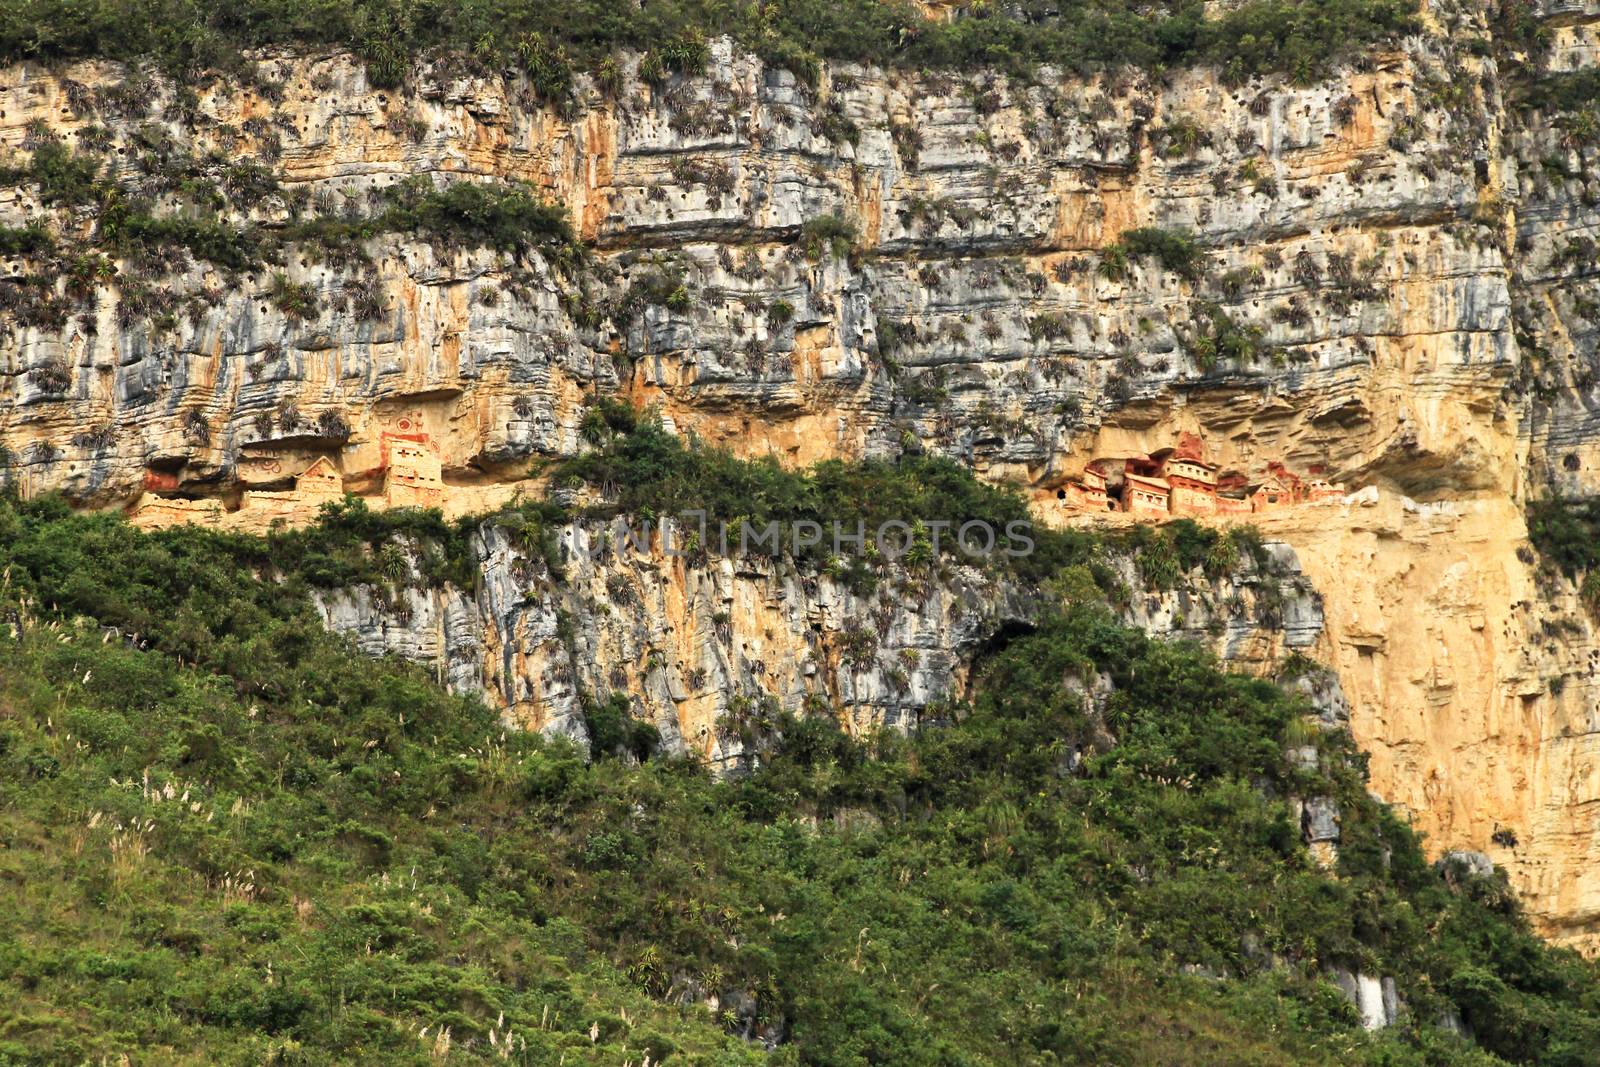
[[831, 233], [546, 66], [780, 312], [25, 240], [297, 300], [469, 213], [53, 376], [332, 426], [1175, 249], [613, 731], [1214, 337], [1566, 533]]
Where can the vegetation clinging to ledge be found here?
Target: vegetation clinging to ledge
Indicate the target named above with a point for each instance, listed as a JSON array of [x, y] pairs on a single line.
[[1176, 250], [644, 471], [1298, 37], [1566, 533], [508, 218], [143, 231]]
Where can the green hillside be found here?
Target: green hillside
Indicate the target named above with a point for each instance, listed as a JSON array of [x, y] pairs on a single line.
[[226, 838]]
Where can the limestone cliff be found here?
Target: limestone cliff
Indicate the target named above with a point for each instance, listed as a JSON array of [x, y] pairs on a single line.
[[1385, 291], [699, 646]]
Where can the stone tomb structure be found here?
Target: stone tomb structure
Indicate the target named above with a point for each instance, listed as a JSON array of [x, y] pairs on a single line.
[[412, 476], [1181, 480]]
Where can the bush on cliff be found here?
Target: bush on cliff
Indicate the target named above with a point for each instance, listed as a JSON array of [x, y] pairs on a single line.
[[645, 471], [1567, 533], [129, 225]]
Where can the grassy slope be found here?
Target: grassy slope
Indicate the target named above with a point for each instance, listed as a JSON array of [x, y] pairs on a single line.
[[243, 843]]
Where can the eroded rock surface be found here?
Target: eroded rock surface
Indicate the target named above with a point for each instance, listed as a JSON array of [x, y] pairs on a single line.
[[699, 646]]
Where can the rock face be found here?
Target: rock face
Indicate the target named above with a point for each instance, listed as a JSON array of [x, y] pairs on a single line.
[[1388, 290], [701, 647], [1376, 999]]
